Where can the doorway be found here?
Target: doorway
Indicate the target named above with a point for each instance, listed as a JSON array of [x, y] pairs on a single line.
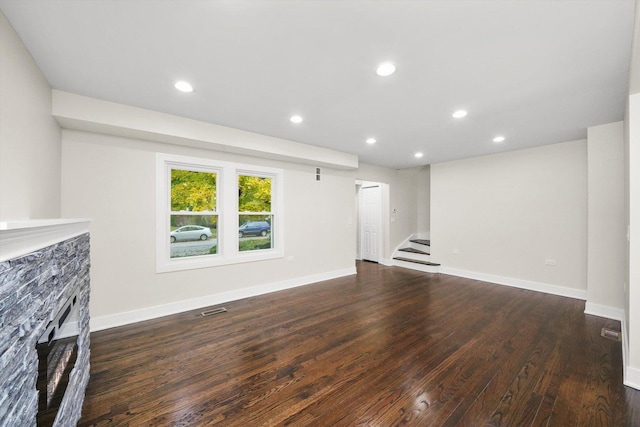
[[370, 225]]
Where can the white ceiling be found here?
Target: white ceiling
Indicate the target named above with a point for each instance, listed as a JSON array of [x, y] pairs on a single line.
[[537, 72]]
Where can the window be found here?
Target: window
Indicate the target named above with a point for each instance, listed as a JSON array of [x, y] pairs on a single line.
[[254, 213], [215, 213], [193, 215]]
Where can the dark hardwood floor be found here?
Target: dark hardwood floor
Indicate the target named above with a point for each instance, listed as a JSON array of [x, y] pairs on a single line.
[[387, 347]]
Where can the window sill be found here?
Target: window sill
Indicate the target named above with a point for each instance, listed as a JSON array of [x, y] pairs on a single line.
[[206, 261]]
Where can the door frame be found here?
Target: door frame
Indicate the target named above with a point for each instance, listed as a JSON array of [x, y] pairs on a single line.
[[383, 229]]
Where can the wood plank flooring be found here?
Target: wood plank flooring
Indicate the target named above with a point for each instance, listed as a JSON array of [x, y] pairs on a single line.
[[386, 347]]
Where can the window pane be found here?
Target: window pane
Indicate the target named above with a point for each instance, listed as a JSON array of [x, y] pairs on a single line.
[[254, 232], [193, 191], [193, 235], [254, 194]]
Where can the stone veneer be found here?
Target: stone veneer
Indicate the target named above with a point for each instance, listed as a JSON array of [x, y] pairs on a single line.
[[33, 289]]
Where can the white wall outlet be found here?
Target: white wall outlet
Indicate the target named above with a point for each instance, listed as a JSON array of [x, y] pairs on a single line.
[[456, 251], [289, 258], [551, 262]]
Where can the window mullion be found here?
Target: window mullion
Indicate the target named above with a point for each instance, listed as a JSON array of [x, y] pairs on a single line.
[[230, 211]]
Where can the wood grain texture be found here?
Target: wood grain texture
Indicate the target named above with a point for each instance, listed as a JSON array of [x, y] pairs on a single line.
[[386, 347]]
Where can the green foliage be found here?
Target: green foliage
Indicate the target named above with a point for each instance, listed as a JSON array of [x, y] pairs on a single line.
[[193, 191], [210, 221], [254, 244], [196, 192], [254, 194]]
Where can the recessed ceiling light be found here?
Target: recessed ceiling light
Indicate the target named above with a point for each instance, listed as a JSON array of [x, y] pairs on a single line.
[[183, 86], [498, 139], [371, 140], [459, 114], [296, 119], [385, 69], [418, 155]]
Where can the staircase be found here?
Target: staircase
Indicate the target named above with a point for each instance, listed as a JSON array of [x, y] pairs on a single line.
[[415, 254]]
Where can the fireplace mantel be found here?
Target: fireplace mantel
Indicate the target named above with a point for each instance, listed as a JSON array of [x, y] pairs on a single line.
[[23, 237]]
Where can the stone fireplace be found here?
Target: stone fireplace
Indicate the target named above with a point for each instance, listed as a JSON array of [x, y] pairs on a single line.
[[44, 321]]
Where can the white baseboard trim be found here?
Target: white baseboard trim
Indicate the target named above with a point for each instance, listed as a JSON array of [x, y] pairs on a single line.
[[632, 377], [148, 313], [387, 262], [517, 283], [625, 349], [604, 311]]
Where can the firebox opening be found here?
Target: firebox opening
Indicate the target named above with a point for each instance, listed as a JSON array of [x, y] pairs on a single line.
[[57, 353]]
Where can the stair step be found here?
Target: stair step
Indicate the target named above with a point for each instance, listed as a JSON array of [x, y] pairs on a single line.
[[414, 251], [417, 261], [421, 241]]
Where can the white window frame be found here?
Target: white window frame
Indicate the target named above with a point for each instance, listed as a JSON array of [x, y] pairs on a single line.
[[227, 210]]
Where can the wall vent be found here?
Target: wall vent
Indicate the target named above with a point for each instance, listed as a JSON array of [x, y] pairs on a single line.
[[214, 311], [611, 334]]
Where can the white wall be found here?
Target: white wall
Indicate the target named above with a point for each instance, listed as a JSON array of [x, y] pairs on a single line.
[[424, 199], [632, 211], [506, 214], [112, 180], [632, 376], [606, 220], [29, 136], [634, 66], [415, 198]]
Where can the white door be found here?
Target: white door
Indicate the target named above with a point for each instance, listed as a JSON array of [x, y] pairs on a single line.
[[370, 210]]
